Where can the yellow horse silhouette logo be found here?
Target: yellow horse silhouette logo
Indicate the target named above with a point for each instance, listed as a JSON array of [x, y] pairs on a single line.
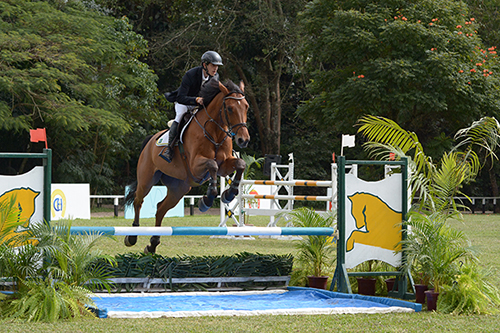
[[25, 207], [377, 224]]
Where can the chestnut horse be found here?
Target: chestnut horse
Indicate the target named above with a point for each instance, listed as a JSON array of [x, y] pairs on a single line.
[[205, 152]]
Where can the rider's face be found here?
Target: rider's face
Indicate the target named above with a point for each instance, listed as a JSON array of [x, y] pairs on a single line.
[[211, 69]]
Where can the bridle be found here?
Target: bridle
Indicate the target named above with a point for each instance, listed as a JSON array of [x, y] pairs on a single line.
[[230, 132]]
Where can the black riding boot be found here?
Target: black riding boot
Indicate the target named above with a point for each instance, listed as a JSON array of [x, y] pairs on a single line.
[[172, 140]]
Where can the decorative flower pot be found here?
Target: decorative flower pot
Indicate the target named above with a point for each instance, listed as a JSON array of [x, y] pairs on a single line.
[[318, 282], [419, 293], [390, 284], [366, 286], [432, 298]]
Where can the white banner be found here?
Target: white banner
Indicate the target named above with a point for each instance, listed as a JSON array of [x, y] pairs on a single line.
[[348, 140], [373, 218], [70, 201]]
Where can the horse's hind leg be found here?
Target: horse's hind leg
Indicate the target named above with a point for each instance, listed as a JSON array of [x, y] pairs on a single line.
[[208, 200], [144, 185], [175, 192], [226, 168]]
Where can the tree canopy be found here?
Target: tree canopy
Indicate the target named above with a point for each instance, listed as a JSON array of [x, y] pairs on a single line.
[[419, 63], [75, 71]]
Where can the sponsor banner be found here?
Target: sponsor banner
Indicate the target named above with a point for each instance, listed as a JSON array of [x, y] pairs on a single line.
[[148, 209], [70, 201], [373, 220]]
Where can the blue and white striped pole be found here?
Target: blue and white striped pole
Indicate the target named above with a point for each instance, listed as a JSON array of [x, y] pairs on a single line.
[[203, 231]]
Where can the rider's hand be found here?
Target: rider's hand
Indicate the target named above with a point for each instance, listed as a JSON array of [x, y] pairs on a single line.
[[199, 100]]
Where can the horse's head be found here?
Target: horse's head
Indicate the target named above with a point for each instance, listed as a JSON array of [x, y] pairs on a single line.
[[234, 112]]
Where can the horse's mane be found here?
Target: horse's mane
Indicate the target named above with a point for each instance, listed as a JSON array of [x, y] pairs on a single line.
[[211, 89]]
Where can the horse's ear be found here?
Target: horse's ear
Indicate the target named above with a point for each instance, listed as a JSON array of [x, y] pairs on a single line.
[[242, 86], [223, 88]]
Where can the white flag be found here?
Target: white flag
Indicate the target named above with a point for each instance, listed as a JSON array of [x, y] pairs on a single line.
[[348, 140]]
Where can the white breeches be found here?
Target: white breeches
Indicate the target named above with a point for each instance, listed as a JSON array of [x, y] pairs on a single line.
[[180, 110]]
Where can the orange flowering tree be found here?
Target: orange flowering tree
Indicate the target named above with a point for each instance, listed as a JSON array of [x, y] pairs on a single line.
[[419, 63]]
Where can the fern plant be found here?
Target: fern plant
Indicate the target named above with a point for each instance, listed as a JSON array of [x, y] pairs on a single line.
[[48, 300], [435, 184], [50, 271], [471, 293], [74, 262]]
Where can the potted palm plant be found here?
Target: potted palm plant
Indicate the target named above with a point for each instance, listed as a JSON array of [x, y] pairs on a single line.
[[249, 173], [437, 249], [315, 253]]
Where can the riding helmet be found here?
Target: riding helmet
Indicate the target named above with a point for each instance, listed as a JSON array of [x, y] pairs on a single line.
[[211, 57]]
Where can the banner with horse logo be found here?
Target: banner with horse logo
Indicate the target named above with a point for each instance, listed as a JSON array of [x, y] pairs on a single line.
[[373, 216], [27, 190]]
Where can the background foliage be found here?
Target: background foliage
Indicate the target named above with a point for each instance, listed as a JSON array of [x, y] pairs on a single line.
[[76, 72], [93, 73]]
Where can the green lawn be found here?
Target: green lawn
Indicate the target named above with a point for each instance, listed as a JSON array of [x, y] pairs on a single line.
[[484, 234], [483, 231]]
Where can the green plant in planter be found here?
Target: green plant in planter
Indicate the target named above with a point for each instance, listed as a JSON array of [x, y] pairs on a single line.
[[249, 173], [315, 253], [435, 249], [371, 266]]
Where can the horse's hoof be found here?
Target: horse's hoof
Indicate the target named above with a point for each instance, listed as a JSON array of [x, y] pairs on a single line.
[[202, 205], [227, 196], [150, 249], [130, 240]]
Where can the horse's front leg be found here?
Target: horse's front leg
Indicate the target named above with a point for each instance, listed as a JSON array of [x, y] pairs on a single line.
[[228, 167], [207, 201]]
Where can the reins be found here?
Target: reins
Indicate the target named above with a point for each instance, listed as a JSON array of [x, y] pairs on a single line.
[[230, 131]]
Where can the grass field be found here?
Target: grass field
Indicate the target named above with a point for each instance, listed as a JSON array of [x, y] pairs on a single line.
[[482, 230]]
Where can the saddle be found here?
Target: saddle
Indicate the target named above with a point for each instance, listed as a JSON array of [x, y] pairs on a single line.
[[186, 119]]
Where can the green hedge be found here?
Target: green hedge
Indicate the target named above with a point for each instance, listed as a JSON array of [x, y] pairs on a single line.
[[238, 265]]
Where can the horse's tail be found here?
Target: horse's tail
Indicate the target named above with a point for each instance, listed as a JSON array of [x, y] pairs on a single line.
[[129, 198]]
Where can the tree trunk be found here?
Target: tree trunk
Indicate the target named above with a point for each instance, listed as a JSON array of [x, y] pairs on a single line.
[[268, 111]]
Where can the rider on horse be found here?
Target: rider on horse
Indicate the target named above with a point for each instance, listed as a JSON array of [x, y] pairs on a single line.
[[186, 96]]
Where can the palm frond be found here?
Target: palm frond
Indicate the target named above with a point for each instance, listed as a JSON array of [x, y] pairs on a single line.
[[251, 161], [10, 223], [384, 133], [484, 133], [383, 130]]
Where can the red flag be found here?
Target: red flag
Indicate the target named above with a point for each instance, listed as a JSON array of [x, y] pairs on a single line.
[[38, 135]]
